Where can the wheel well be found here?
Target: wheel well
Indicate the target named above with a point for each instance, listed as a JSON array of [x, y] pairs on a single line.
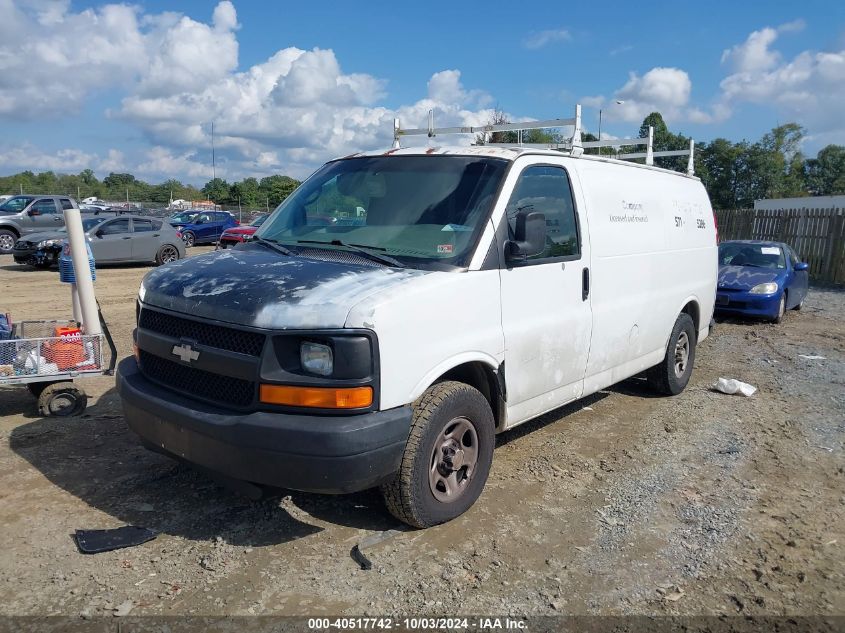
[[11, 229], [483, 378], [695, 314]]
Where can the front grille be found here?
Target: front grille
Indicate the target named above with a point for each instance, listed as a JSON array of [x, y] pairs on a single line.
[[197, 382], [239, 341]]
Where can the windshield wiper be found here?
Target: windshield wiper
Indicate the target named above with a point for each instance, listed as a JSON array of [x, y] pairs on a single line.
[[272, 244], [363, 249]]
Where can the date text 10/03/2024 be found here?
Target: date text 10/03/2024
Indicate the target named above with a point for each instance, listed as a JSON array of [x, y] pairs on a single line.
[[422, 623]]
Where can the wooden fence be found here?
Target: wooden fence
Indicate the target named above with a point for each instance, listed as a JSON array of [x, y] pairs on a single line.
[[817, 235]]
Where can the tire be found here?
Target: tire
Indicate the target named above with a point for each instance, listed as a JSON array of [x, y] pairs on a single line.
[[166, 254], [448, 415], [189, 238], [7, 241], [800, 305], [781, 309], [62, 399], [671, 376]]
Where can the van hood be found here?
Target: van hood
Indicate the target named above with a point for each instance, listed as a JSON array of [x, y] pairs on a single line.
[[745, 277], [260, 288]]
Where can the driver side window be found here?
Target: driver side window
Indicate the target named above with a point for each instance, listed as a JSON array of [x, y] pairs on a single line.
[[546, 189], [44, 206], [115, 228]]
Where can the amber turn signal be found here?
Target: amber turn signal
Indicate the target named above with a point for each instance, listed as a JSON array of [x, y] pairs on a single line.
[[136, 352], [317, 397]]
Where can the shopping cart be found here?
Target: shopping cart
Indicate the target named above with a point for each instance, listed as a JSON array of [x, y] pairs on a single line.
[[48, 356]]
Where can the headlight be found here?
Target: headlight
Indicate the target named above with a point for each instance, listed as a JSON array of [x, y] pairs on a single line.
[[47, 243], [141, 292], [765, 289], [316, 358]]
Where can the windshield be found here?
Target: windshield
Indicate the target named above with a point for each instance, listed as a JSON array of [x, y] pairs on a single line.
[[184, 218], [754, 255], [259, 220], [418, 210], [16, 204]]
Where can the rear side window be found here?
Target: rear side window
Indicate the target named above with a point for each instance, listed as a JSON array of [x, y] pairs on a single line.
[[546, 189], [66, 204], [141, 226], [44, 206]]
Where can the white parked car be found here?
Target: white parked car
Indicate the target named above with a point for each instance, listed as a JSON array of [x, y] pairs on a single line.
[[481, 288]]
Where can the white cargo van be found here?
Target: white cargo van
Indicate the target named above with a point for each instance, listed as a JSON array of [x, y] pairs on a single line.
[[402, 307]]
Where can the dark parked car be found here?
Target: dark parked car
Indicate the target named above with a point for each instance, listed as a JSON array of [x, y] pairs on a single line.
[[128, 238], [202, 227], [760, 279], [238, 234]]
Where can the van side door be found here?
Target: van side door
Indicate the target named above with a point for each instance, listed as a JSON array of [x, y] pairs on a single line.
[[546, 315]]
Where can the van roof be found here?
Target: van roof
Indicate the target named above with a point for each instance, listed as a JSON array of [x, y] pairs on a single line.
[[506, 153]]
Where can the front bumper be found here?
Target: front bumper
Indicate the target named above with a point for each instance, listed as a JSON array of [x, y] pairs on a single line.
[[312, 453], [35, 256], [747, 304]]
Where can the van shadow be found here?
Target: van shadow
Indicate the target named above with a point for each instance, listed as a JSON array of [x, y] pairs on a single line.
[[96, 458]]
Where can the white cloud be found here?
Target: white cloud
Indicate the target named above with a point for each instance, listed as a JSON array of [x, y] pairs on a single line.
[[68, 160], [809, 88], [543, 38]]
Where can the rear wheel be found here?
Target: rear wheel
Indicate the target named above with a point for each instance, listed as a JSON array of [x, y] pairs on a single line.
[[7, 241], [62, 399], [671, 376], [447, 458], [189, 238], [166, 254]]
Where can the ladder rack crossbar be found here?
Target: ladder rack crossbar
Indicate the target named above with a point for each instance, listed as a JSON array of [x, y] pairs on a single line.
[[615, 142], [501, 127]]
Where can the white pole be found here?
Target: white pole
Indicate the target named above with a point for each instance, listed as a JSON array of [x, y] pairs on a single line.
[[77, 308], [82, 271]]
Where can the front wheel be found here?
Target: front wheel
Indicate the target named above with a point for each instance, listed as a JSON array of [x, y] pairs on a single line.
[[781, 309], [447, 458], [671, 376]]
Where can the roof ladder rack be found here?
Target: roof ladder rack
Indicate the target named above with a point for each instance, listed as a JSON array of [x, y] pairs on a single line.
[[574, 144]]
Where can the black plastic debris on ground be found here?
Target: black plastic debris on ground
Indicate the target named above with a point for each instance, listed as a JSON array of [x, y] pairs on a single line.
[[96, 541], [358, 557]]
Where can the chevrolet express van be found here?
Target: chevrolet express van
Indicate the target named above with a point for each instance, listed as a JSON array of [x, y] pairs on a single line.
[[478, 288]]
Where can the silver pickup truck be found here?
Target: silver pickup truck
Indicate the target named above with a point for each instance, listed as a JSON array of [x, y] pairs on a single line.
[[25, 214]]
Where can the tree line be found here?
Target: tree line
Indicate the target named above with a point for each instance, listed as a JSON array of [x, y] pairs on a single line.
[[734, 174], [249, 192]]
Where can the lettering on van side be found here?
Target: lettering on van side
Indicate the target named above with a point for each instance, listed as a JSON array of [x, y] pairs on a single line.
[[630, 213]]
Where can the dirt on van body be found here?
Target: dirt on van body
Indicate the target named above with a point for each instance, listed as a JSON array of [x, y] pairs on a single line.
[[621, 504]]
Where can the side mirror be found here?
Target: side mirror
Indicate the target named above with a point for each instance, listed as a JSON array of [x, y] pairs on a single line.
[[33, 212], [801, 266], [530, 235], [199, 221]]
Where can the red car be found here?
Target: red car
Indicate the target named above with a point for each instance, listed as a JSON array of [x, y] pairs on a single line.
[[238, 234]]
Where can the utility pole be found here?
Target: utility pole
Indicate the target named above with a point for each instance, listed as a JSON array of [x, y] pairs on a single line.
[[213, 165]]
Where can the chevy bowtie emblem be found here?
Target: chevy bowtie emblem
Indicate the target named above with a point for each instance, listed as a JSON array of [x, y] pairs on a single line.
[[185, 352]]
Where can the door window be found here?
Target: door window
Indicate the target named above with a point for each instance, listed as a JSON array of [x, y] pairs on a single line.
[[44, 206], [142, 226], [115, 227], [66, 204], [546, 189]]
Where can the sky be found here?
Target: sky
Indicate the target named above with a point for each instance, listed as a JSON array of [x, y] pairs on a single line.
[[135, 87]]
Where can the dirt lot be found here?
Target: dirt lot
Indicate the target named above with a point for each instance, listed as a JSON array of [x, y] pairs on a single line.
[[621, 504]]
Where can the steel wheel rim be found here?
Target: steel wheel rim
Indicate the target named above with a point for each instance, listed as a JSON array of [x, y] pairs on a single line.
[[7, 242], [782, 306], [169, 254], [681, 354], [453, 460], [63, 404]]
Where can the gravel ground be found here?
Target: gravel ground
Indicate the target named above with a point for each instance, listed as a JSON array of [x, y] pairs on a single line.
[[620, 504]]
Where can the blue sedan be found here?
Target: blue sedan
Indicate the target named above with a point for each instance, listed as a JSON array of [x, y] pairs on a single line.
[[760, 279]]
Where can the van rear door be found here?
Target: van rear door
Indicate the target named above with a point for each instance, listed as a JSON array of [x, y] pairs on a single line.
[[546, 315]]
